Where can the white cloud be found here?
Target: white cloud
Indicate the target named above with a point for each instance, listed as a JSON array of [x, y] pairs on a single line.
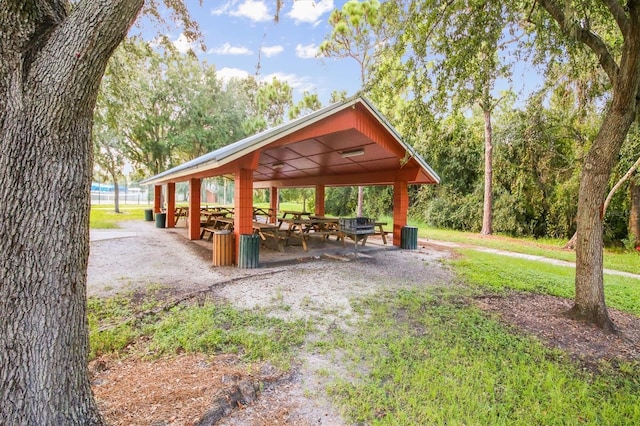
[[299, 84], [255, 10], [308, 11], [227, 49], [306, 52], [270, 51], [226, 74], [183, 45], [222, 9]]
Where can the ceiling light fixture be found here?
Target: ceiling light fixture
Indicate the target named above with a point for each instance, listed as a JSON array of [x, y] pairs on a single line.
[[277, 166], [352, 153]]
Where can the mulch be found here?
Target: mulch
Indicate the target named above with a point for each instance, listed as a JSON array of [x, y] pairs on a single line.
[[545, 317]]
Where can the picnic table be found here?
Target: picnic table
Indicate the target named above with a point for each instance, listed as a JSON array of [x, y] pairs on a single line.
[[314, 226], [218, 222], [181, 212], [380, 231], [264, 214]]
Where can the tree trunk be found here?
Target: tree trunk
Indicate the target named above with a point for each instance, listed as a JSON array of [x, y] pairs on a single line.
[[487, 222], [116, 194], [634, 216], [589, 301], [360, 208], [50, 69]]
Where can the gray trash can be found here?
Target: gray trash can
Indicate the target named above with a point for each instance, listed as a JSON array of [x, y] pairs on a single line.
[[409, 238], [161, 220], [148, 215], [249, 251]]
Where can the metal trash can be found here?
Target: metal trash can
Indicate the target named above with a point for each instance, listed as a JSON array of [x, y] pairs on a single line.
[[148, 215], [161, 220], [223, 248], [409, 238], [249, 251]]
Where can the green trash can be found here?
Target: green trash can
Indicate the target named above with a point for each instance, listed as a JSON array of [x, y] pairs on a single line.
[[148, 215], [409, 238], [249, 251], [161, 220]]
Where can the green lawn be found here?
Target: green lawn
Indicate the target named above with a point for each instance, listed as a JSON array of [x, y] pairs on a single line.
[[419, 357], [104, 217], [628, 261], [495, 273]]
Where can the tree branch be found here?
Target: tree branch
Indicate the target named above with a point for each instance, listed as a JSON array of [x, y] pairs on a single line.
[[618, 14], [619, 183], [585, 36]]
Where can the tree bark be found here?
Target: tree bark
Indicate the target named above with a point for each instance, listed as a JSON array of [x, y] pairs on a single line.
[[360, 206], [487, 222], [51, 64], [589, 301], [571, 244], [621, 112], [634, 216]]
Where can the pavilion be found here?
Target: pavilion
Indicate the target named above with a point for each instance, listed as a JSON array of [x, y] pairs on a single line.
[[346, 143]]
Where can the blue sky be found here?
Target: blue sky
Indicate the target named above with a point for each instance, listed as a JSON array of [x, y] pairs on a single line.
[[239, 34]]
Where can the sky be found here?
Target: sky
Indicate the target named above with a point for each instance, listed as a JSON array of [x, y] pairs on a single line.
[[240, 34]]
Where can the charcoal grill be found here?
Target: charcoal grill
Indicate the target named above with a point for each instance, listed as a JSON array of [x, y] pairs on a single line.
[[357, 228]]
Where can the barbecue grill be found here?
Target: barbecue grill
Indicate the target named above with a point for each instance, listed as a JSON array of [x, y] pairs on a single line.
[[357, 228]]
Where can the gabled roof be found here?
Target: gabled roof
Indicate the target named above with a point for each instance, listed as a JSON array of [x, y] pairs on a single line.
[[318, 148]]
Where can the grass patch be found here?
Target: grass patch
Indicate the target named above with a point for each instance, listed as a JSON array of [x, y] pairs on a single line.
[[108, 331], [425, 359], [210, 328], [628, 261], [221, 328], [103, 216], [499, 273]]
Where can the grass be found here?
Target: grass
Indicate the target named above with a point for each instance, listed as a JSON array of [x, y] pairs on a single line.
[[103, 216], [491, 272], [425, 358], [628, 261], [209, 328]]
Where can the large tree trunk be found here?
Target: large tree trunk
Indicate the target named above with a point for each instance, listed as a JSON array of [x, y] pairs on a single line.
[[487, 222], [634, 216], [589, 300], [50, 69]]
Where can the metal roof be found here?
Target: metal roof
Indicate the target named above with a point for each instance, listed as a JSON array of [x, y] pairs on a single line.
[[326, 147]]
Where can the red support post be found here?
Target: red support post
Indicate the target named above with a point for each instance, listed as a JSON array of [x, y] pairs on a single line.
[[243, 206], [320, 200], [194, 208], [157, 198], [274, 203], [400, 209], [171, 205]]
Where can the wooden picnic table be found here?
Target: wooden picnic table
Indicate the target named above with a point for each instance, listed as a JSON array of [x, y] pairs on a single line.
[[266, 213], [181, 212], [217, 223], [381, 231], [210, 217], [318, 226]]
